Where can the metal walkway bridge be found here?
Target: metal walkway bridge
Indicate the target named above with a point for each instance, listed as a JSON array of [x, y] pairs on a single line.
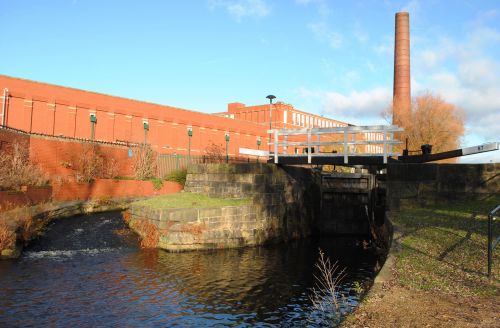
[[350, 145]]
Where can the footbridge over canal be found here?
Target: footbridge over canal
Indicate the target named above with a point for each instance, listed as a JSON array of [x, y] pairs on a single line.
[[351, 145]]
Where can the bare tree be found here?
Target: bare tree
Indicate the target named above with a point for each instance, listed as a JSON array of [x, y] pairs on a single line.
[[431, 121]]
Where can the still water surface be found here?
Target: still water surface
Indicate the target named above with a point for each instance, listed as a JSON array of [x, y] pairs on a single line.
[[88, 271]]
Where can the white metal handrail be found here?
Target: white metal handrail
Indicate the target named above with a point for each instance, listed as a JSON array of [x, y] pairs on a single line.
[[348, 132]]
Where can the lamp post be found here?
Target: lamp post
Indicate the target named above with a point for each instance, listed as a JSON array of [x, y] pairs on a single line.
[[270, 97], [145, 125], [227, 142], [93, 121], [190, 134], [258, 147]]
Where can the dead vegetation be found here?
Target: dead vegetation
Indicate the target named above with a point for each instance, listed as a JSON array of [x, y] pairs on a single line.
[[23, 228], [215, 153], [144, 162], [149, 233], [325, 296], [94, 165], [7, 237], [17, 169]]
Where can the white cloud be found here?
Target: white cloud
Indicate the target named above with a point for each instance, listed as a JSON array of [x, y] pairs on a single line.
[[359, 107], [240, 9], [322, 32], [465, 71]]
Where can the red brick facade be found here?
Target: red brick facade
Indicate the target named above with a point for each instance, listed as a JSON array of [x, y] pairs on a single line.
[[55, 111], [60, 111]]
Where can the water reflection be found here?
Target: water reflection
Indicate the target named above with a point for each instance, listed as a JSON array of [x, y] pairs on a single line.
[[105, 280]]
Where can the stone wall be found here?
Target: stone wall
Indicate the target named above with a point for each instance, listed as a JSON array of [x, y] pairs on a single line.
[[205, 228], [287, 195], [281, 207], [420, 184]]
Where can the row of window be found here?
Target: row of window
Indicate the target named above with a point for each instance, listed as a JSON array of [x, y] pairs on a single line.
[[310, 121], [374, 136]]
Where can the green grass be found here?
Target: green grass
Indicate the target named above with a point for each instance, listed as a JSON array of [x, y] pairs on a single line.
[[178, 176], [188, 200], [444, 247]]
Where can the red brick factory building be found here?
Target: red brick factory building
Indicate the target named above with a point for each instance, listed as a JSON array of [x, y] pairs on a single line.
[[50, 110]]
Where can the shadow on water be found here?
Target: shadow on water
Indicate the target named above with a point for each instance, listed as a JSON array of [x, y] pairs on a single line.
[[88, 270]]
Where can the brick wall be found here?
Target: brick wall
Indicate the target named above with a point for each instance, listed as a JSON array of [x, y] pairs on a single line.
[[105, 188], [60, 111], [60, 158]]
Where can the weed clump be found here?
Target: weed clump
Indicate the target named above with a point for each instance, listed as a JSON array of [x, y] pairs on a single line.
[[178, 176], [7, 237], [94, 165], [144, 162], [18, 170]]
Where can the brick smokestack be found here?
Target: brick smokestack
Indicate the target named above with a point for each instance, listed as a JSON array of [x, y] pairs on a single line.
[[401, 94]]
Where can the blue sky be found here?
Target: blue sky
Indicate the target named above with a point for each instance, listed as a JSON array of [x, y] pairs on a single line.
[[333, 58]]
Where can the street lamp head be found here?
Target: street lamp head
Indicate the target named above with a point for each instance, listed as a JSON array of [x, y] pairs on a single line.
[[271, 97]]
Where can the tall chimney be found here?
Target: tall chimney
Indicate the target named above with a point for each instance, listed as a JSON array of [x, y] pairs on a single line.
[[401, 94]]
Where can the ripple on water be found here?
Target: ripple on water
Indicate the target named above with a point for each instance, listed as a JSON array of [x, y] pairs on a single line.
[[64, 254], [57, 283]]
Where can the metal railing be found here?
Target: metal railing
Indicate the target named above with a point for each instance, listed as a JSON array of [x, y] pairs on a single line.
[[167, 163], [348, 143], [492, 243]]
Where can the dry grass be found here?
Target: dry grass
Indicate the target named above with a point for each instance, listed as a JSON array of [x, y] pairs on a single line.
[[7, 237], [29, 228], [17, 170], [94, 165], [144, 162]]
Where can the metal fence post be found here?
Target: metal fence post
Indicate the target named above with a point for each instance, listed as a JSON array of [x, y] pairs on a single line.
[[309, 146], [276, 146], [490, 237], [491, 244]]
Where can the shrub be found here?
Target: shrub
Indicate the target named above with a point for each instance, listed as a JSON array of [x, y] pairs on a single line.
[[144, 162], [178, 176], [17, 170], [7, 237], [325, 294], [215, 153], [93, 165], [157, 183]]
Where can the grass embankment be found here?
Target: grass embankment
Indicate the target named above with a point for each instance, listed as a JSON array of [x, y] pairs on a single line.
[[444, 248], [188, 200], [439, 277]]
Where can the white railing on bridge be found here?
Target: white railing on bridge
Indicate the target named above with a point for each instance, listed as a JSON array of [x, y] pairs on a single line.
[[349, 141]]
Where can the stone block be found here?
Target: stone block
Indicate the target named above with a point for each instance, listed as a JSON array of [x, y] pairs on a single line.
[[184, 215], [210, 212]]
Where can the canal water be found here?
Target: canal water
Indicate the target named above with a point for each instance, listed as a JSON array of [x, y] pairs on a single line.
[[88, 271]]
